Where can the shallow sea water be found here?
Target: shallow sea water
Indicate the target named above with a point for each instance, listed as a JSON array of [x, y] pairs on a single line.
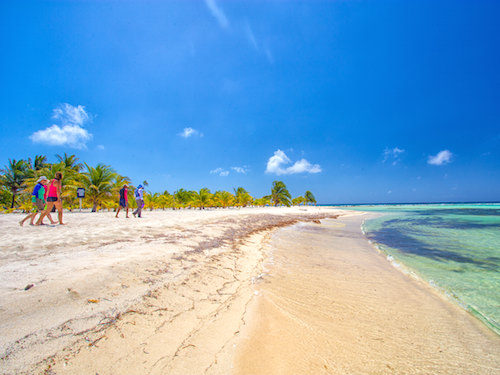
[[455, 248]]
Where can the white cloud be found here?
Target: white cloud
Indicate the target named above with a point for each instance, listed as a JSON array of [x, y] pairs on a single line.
[[217, 13], [392, 154], [68, 114], [279, 159], [442, 158], [242, 170], [101, 147], [71, 132], [188, 132], [302, 166], [220, 171]]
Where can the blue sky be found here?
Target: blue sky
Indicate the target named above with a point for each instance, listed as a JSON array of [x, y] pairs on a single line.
[[357, 101]]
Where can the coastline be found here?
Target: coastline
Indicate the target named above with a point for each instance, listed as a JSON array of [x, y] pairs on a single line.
[[127, 295], [469, 253], [225, 291], [332, 303]]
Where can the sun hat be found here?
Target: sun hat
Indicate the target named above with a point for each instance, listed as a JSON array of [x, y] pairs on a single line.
[[42, 178]]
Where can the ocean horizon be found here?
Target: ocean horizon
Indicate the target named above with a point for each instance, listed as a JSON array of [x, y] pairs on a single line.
[[409, 203]]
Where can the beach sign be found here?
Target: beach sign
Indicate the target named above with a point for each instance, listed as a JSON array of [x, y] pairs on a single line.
[[80, 193]]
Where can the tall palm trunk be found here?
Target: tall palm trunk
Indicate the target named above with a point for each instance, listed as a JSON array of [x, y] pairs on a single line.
[[13, 198]]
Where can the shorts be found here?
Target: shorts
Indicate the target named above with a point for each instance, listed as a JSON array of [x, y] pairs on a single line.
[[52, 199], [123, 203], [38, 204]]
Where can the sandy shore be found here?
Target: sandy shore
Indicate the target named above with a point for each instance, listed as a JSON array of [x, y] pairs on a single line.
[[221, 292], [331, 304], [131, 296]]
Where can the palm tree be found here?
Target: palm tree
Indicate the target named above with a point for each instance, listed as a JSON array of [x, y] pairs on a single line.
[[262, 201], [151, 200], [298, 201], [309, 198], [15, 176], [50, 170], [5, 196], [166, 200], [182, 198], [201, 199], [280, 194], [40, 162], [243, 198], [98, 183], [70, 162], [224, 198]]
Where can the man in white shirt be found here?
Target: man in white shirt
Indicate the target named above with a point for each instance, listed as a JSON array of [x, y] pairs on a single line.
[[139, 198]]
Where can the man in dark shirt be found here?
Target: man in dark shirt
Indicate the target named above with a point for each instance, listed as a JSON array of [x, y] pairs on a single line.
[[123, 200]]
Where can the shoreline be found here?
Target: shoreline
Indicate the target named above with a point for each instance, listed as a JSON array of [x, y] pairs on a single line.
[[97, 273], [186, 295], [336, 305], [401, 266]]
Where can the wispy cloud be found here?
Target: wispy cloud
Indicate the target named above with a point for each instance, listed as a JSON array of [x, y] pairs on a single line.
[[224, 172], [251, 36], [217, 13], [242, 170], [442, 158], [220, 171], [190, 132], [70, 131], [392, 154], [276, 164], [269, 54]]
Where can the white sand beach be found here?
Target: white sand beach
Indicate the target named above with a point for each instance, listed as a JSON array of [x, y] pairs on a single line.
[[98, 270], [219, 292]]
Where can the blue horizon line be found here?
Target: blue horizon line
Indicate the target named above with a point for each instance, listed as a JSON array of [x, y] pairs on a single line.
[[406, 203]]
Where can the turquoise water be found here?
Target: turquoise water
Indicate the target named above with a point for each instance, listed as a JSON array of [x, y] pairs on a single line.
[[455, 248]]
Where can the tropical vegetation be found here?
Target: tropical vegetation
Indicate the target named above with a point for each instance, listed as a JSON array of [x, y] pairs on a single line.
[[102, 184]]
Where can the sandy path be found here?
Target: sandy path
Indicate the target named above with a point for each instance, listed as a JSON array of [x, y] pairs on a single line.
[[128, 295], [331, 304]]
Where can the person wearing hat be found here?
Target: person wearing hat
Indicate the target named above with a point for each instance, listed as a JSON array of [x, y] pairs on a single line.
[[54, 198], [139, 198], [38, 201], [123, 200]]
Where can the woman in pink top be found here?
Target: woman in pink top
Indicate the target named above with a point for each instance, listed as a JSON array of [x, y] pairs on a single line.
[[54, 199]]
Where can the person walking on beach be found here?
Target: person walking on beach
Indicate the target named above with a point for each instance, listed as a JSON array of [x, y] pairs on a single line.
[[139, 198], [123, 200], [54, 199], [38, 200]]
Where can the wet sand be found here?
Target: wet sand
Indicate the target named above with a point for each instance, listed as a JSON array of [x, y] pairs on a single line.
[[331, 304]]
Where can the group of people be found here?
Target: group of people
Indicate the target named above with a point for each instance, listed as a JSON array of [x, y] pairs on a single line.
[[139, 198], [47, 194]]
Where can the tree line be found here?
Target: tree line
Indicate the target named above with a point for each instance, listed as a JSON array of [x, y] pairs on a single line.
[[102, 183]]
